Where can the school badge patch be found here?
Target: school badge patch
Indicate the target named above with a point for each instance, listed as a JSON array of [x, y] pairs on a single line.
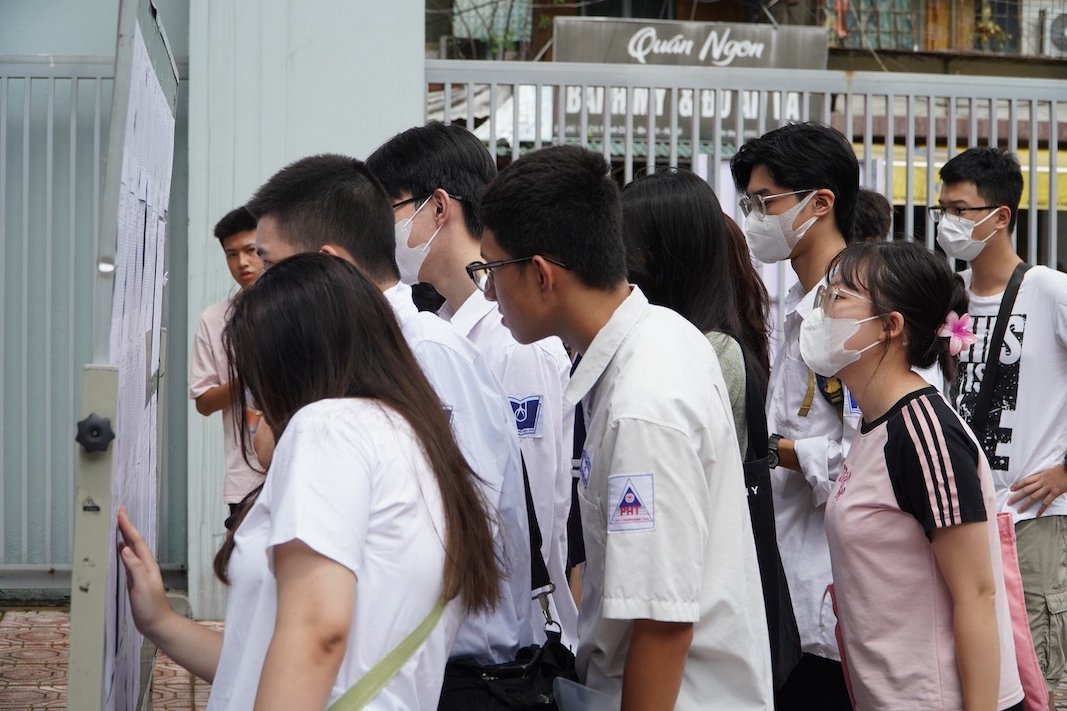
[[527, 413], [633, 501]]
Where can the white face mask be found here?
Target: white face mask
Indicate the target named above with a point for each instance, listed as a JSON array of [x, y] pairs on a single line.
[[822, 342], [956, 236], [409, 259], [772, 237]]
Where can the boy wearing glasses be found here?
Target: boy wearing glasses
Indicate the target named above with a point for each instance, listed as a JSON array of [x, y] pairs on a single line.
[[435, 176], [799, 186], [671, 612], [1025, 434]]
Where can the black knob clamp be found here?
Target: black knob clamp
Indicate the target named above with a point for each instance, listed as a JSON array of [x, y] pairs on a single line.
[[95, 433]]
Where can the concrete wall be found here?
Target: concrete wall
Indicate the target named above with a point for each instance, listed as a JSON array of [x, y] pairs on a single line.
[[271, 82]]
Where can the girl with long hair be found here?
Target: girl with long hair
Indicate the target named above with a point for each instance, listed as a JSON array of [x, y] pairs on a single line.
[[686, 255], [911, 520], [369, 515]]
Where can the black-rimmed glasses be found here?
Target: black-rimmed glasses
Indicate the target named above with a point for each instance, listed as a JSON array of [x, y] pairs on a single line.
[[938, 213], [422, 197], [481, 273]]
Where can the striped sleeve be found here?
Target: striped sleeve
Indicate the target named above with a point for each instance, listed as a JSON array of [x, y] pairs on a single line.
[[933, 465]]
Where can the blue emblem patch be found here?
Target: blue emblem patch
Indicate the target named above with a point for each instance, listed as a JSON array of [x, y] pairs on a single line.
[[584, 467], [852, 407], [527, 413]]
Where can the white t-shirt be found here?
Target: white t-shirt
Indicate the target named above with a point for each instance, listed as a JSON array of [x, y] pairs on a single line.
[[534, 377], [348, 479], [1027, 426], [483, 425], [208, 368], [666, 522]]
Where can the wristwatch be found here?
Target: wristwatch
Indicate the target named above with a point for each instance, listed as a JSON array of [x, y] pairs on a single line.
[[772, 450]]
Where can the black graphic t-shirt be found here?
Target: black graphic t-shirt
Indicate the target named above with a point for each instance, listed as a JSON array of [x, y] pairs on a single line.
[[1027, 426]]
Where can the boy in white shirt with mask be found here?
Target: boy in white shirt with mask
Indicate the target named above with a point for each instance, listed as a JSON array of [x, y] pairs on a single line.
[[1024, 434], [434, 176], [799, 185]]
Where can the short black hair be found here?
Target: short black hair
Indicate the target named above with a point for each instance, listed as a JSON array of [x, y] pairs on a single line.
[[425, 158], [332, 199], [560, 202], [805, 156], [234, 222], [874, 216], [996, 175]]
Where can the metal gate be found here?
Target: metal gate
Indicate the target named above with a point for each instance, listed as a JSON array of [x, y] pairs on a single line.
[[53, 138]]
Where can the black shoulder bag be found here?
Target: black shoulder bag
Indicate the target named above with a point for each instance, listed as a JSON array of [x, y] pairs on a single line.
[[526, 682], [781, 622], [983, 404]]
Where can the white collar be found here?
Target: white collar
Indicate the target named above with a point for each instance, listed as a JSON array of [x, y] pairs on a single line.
[[470, 312], [399, 297], [605, 345]]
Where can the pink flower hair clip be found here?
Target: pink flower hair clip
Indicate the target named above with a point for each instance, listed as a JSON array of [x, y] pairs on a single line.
[[957, 329]]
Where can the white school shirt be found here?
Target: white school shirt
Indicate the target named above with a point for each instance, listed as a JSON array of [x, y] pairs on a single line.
[[482, 424], [534, 377], [666, 522], [1027, 426], [208, 368], [821, 442], [349, 480]]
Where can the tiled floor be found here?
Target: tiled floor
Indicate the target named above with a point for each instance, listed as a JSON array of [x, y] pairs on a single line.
[[33, 667]]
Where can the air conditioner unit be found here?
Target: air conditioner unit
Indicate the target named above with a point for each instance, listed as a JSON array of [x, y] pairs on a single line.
[[1053, 33]]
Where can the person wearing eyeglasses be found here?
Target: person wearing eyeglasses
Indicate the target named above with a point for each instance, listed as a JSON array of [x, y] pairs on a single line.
[[435, 175], [799, 186], [671, 614], [911, 521], [331, 203], [1024, 433]]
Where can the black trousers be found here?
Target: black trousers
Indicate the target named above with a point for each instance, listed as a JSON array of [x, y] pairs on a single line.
[[816, 684]]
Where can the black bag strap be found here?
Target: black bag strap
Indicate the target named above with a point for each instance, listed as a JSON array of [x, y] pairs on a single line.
[[539, 577], [755, 415], [984, 402]]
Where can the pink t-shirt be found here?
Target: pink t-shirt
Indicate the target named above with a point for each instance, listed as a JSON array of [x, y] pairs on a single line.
[[208, 368], [913, 470]]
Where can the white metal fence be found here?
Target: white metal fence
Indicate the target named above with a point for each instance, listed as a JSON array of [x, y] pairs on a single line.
[[54, 123], [900, 124], [53, 133]]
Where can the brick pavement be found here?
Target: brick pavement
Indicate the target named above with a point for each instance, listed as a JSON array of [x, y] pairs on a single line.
[[33, 667]]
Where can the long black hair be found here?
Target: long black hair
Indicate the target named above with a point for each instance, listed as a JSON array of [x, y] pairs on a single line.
[[313, 327], [685, 254]]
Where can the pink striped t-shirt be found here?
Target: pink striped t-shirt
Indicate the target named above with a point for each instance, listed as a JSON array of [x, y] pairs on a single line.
[[916, 469]]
